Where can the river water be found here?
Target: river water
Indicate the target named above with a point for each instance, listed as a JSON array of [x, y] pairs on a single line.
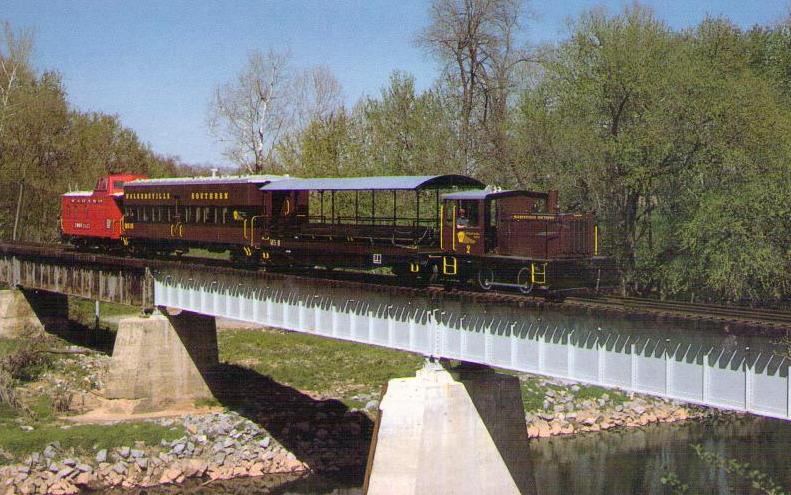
[[606, 463], [634, 461]]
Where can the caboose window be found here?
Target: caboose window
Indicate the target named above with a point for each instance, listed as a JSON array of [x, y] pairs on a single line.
[[118, 184], [225, 215]]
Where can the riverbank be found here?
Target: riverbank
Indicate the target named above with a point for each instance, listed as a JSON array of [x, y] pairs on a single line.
[[215, 446], [287, 404], [568, 409]]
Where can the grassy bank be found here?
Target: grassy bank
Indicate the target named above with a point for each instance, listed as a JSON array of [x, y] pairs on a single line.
[[82, 311], [39, 386], [16, 444], [345, 369], [318, 365]]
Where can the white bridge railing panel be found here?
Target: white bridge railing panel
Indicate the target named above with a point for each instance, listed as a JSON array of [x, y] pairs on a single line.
[[721, 374], [688, 379], [586, 363]]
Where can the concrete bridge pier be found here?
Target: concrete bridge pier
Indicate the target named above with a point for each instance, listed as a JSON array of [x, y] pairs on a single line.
[[163, 358], [31, 310], [458, 431]]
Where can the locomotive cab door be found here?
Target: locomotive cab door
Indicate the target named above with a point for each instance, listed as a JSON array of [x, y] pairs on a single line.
[[463, 227], [490, 221], [283, 207]]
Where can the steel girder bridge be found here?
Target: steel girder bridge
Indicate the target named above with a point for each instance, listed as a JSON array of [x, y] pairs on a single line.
[[718, 371]]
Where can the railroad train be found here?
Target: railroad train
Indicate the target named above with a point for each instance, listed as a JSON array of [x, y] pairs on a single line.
[[447, 229]]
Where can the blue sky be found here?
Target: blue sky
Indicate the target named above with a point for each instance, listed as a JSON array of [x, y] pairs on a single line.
[[155, 63]]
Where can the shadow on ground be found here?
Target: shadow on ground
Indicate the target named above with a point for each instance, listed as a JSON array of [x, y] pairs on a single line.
[[100, 339], [322, 432], [267, 484]]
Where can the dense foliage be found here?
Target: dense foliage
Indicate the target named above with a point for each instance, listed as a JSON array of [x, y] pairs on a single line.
[[680, 140]]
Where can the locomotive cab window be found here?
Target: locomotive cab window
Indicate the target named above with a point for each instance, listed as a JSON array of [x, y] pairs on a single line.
[[449, 207], [491, 220], [467, 213]]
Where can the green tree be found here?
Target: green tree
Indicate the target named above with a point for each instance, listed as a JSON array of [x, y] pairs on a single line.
[[409, 133], [46, 148], [656, 130], [34, 153], [325, 148]]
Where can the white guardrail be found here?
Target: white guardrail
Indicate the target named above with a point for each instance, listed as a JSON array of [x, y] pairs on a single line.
[[721, 375]]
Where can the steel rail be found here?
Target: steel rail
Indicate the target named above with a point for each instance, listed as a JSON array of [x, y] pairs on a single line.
[[689, 311], [775, 319]]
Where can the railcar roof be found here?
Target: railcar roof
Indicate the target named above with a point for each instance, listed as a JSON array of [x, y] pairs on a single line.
[[398, 182], [488, 194], [220, 179]]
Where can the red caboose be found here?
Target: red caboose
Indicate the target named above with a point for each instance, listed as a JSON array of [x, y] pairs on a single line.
[[95, 217]]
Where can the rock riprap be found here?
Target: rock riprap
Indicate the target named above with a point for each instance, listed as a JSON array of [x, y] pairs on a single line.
[[564, 413], [217, 446]]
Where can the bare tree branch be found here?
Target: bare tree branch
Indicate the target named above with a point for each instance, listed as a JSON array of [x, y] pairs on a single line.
[[267, 102]]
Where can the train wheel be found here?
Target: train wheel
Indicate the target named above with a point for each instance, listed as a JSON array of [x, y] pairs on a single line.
[[485, 278], [524, 281]]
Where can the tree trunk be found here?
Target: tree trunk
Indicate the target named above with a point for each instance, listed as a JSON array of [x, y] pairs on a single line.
[[18, 210]]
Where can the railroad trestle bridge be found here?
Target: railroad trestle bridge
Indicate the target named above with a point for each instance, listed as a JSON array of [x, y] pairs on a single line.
[[511, 334]]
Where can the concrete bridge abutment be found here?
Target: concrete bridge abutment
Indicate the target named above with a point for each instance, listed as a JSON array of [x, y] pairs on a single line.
[[163, 358], [456, 431], [23, 311]]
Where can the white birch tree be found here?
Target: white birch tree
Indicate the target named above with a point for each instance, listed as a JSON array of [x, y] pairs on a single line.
[[267, 102]]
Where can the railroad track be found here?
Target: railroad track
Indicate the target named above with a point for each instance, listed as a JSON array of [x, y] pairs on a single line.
[[764, 318], [689, 311]]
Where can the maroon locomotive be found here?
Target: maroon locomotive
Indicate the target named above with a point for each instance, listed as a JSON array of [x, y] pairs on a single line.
[[445, 228]]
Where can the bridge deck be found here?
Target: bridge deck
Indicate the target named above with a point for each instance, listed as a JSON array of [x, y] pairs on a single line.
[[507, 332]]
